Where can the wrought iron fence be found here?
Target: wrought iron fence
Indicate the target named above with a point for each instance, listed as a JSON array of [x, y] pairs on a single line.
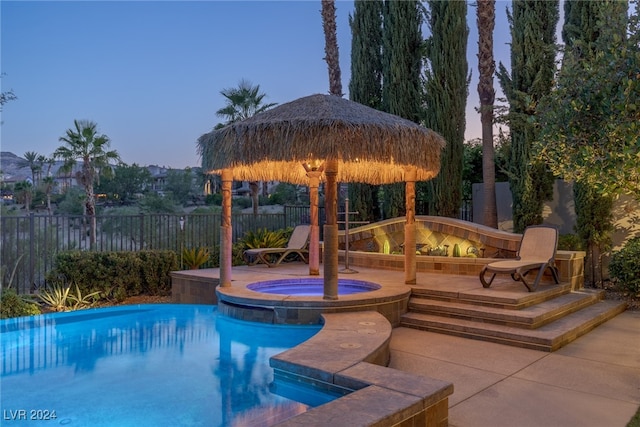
[[30, 243]]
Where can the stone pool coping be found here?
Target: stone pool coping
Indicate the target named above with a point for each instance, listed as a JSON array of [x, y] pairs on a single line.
[[350, 354]]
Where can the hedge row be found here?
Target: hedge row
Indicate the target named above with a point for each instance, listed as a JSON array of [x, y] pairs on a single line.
[[115, 275]]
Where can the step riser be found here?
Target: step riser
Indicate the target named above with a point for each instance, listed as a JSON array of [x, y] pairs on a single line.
[[496, 301], [498, 340], [517, 340], [514, 320]]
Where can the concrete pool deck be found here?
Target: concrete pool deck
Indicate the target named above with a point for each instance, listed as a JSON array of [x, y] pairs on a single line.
[[592, 381]]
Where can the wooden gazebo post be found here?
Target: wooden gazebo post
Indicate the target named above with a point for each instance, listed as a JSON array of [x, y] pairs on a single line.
[[314, 236], [410, 227], [330, 254], [226, 243]]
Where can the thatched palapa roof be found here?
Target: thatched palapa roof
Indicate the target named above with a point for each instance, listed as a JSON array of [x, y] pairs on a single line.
[[370, 146]]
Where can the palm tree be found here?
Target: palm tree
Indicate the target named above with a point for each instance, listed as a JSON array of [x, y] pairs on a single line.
[[41, 162], [243, 102], [486, 14], [49, 183], [32, 159], [46, 179], [331, 46], [24, 193], [83, 143]]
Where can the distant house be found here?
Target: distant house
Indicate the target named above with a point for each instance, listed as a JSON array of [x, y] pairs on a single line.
[[159, 178]]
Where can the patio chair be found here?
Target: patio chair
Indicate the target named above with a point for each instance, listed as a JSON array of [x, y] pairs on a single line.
[[298, 244], [537, 252]]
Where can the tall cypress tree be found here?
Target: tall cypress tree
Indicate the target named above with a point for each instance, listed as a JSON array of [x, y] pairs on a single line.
[[401, 70], [533, 49], [584, 24], [365, 86], [446, 91]]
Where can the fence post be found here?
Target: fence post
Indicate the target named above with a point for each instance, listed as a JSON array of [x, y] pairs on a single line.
[[32, 254], [141, 232]]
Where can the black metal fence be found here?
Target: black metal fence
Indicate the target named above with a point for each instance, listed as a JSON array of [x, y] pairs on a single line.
[[30, 243]]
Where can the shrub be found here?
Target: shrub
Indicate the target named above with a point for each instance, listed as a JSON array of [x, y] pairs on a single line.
[[284, 193], [115, 275], [242, 202], [13, 305], [570, 242], [154, 268], [625, 267], [213, 199]]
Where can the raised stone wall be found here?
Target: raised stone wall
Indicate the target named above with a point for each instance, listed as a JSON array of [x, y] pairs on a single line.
[[479, 246]]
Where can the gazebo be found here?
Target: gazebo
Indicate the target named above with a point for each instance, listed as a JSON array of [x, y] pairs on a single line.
[[322, 138]]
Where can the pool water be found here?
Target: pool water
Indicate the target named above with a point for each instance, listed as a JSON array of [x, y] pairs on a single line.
[[311, 287], [146, 365]]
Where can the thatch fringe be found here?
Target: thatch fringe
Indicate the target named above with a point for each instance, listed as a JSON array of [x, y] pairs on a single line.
[[370, 145]]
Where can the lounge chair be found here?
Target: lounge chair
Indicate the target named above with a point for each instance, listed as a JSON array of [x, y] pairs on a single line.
[[298, 244], [537, 252]]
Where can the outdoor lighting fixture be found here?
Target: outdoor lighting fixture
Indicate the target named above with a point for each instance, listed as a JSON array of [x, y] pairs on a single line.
[[313, 165], [181, 223]]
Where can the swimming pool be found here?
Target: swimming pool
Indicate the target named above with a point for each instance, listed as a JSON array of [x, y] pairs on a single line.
[[146, 365]]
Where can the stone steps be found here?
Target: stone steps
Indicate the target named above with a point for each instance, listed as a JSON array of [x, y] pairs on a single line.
[[544, 320], [531, 317], [515, 297]]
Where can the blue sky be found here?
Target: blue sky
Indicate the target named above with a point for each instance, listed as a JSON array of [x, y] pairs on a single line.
[[150, 73]]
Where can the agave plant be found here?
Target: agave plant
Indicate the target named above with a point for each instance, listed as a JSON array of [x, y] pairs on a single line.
[[55, 298], [194, 258], [79, 301]]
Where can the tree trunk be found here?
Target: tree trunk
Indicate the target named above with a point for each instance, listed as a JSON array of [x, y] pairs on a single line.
[[253, 186], [90, 205], [486, 68], [331, 46]]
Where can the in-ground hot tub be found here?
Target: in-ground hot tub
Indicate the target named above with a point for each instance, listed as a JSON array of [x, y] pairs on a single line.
[[311, 287], [300, 299]]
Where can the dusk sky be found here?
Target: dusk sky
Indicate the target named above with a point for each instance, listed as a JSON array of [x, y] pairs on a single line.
[[150, 73]]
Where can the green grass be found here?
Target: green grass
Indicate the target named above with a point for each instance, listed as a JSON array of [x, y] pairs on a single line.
[[635, 420]]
